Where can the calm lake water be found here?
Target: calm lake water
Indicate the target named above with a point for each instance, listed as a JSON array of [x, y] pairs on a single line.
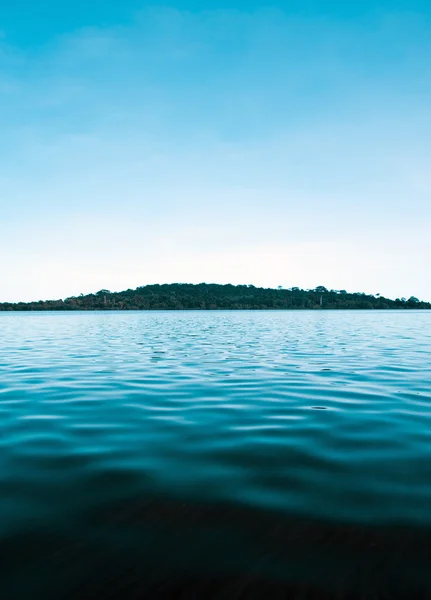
[[142, 452]]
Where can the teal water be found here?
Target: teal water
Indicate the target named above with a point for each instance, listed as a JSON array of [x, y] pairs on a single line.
[[144, 448]]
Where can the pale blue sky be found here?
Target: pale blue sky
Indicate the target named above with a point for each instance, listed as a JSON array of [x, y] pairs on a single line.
[[224, 142]]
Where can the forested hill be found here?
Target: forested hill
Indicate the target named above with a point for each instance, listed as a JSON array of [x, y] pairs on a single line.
[[177, 296]]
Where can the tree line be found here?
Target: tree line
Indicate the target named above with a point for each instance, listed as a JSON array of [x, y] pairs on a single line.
[[211, 296]]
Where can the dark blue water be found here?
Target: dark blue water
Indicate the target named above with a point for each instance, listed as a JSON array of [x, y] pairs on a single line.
[[140, 451]]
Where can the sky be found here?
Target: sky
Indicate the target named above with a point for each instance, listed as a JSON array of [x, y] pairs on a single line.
[[229, 142]]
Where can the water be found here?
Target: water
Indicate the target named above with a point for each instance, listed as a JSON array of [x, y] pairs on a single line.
[[140, 451]]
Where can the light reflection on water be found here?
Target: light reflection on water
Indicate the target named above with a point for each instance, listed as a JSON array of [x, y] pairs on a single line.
[[299, 415]]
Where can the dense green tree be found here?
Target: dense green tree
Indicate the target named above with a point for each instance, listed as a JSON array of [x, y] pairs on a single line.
[[212, 296]]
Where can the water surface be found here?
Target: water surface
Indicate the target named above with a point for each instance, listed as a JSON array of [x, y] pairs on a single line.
[[148, 447]]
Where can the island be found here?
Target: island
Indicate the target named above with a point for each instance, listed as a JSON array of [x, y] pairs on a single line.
[[212, 296]]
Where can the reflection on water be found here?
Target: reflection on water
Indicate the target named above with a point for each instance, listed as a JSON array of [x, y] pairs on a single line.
[[143, 453]]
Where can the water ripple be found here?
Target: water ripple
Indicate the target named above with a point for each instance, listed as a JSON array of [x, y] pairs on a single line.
[[325, 415]]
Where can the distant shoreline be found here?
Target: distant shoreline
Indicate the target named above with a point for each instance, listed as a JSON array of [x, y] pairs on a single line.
[[207, 310], [204, 296]]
